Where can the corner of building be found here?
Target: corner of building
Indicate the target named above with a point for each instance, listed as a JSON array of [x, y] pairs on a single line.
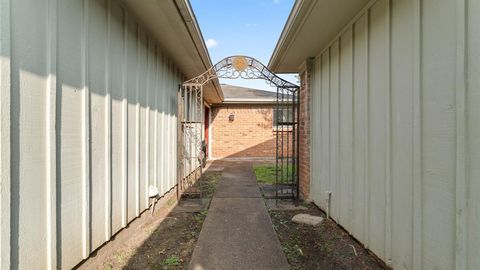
[[305, 93]]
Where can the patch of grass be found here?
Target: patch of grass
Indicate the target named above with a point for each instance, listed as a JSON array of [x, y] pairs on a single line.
[[266, 174]]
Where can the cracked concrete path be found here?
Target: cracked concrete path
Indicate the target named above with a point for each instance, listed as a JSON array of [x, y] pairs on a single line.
[[238, 232]]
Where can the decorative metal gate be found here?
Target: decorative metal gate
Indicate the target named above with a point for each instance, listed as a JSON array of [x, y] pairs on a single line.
[[190, 117], [286, 116], [287, 142]]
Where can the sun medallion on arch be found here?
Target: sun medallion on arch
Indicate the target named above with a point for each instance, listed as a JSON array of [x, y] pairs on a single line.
[[239, 63]]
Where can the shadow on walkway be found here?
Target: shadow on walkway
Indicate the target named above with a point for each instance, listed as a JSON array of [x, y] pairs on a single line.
[[238, 233]]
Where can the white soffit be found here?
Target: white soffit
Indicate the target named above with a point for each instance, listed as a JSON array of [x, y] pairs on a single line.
[[312, 24]]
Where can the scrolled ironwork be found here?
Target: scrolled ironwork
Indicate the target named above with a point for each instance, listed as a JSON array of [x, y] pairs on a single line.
[[250, 69]]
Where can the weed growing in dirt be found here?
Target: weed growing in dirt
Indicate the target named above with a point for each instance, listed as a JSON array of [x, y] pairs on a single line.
[[171, 261], [208, 182], [191, 234], [324, 247], [292, 251], [200, 217], [121, 256], [196, 226]]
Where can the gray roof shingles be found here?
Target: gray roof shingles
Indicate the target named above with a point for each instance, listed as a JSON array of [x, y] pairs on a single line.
[[237, 92]]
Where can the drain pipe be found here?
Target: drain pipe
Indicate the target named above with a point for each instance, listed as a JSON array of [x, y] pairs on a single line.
[[327, 202]]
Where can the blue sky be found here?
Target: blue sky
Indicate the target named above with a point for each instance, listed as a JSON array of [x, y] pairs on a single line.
[[246, 27]]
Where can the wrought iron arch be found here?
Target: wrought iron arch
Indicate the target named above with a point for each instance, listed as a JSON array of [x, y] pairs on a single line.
[[285, 114], [245, 67]]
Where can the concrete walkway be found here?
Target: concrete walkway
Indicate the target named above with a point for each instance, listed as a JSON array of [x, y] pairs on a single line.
[[238, 233]]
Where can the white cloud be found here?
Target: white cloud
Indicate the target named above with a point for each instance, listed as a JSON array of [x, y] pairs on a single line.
[[211, 43]]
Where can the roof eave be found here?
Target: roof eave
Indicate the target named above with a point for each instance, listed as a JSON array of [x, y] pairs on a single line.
[[191, 23], [298, 14], [185, 45], [250, 102], [310, 28]]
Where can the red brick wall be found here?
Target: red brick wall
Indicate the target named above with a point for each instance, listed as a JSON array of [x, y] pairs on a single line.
[[250, 134], [304, 181]]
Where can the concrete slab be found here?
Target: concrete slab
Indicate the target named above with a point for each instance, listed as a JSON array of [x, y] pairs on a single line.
[[191, 205], [238, 192], [214, 169], [238, 233], [237, 182]]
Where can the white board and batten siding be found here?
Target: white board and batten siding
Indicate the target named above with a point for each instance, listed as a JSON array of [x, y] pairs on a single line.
[[396, 121], [88, 122]]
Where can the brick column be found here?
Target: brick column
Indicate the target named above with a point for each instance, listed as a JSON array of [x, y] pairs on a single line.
[[305, 88]]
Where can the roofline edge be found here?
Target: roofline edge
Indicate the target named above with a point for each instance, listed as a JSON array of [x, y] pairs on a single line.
[[300, 11]]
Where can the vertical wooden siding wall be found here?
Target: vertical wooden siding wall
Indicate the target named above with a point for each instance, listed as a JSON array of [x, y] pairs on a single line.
[[88, 122], [395, 110]]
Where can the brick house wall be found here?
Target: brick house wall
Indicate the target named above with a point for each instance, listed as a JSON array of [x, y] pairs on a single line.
[[304, 143], [250, 134]]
